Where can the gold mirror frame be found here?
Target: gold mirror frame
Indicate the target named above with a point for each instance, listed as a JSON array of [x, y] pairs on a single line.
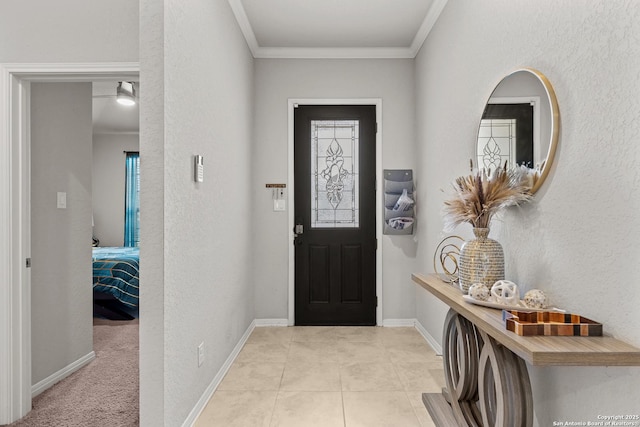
[[554, 122]]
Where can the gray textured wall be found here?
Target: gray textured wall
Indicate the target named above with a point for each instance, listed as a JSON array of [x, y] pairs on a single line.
[[109, 185], [276, 82], [578, 239], [61, 275], [196, 241]]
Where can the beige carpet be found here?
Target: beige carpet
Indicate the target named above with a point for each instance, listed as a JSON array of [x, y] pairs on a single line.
[[103, 393]]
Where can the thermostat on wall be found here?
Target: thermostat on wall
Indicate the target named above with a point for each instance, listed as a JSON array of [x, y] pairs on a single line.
[[198, 168]]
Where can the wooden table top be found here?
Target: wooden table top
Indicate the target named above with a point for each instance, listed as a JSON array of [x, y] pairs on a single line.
[[537, 350]]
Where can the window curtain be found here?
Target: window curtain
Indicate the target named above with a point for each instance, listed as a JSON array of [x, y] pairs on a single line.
[[132, 200]]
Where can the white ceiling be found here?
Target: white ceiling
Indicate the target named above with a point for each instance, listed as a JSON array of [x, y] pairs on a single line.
[[305, 29], [336, 28], [108, 115]]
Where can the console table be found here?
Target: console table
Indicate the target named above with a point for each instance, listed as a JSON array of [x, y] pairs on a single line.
[[484, 364]]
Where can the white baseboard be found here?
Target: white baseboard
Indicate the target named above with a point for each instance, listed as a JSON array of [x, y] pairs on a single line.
[[435, 345], [397, 323], [206, 396], [41, 386], [272, 322]]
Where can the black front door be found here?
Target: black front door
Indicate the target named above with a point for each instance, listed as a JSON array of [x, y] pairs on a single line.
[[335, 215]]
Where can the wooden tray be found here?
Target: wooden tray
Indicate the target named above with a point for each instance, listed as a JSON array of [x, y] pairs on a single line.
[[550, 323]]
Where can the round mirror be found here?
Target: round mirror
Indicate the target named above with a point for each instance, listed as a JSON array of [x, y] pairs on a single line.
[[519, 126]]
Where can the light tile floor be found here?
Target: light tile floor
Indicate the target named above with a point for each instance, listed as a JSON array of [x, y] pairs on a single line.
[[327, 376]]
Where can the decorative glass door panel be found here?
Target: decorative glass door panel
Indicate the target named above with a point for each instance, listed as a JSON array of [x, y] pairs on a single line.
[[334, 174]]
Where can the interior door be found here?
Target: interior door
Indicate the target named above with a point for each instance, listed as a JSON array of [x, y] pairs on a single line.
[[335, 215]]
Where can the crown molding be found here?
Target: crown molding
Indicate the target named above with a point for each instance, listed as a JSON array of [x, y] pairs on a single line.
[[430, 20], [408, 52], [332, 52], [245, 25]]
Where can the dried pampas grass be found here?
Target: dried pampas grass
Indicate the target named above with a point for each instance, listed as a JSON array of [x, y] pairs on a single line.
[[479, 196]]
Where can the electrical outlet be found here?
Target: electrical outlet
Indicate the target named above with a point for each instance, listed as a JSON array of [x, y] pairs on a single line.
[[201, 354]]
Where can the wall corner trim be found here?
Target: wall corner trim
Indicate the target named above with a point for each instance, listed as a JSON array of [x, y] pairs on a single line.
[[72, 367], [208, 393]]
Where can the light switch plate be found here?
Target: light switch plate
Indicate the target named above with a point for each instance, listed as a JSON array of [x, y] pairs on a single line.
[[62, 200], [279, 205], [198, 168], [201, 354]]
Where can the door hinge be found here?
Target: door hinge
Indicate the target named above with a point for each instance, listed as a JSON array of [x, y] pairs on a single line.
[[376, 301], [376, 244], [376, 127], [28, 263]]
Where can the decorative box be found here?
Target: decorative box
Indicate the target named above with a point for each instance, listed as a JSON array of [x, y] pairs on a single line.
[[550, 323]]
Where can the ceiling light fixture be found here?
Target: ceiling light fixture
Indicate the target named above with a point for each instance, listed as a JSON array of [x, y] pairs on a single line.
[[126, 93]]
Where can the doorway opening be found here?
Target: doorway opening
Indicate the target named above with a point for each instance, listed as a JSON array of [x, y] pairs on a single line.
[[116, 203], [15, 229]]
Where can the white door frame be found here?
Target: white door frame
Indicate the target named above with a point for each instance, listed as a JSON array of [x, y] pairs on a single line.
[[357, 101], [15, 218]]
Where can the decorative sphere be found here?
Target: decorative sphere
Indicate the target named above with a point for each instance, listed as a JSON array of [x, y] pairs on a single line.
[[479, 291], [505, 292], [535, 298]]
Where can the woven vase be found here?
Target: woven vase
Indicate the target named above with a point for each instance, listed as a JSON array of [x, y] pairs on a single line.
[[481, 261]]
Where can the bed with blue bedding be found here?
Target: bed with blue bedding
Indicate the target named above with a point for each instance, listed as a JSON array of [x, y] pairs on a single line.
[[116, 275]]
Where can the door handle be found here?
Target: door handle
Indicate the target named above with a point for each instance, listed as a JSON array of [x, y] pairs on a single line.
[[298, 230]]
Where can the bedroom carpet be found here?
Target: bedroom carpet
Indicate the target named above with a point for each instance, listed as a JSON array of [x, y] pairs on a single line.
[[103, 393]]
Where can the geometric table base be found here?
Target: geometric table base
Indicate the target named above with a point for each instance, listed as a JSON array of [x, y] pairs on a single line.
[[487, 384]]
